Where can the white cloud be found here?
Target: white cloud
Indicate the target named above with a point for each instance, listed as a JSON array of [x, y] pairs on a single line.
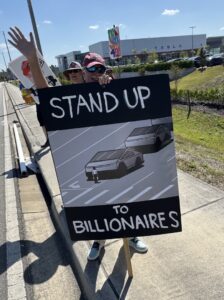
[[47, 22], [170, 12], [222, 28], [94, 27]]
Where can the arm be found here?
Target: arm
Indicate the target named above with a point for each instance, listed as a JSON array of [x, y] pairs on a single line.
[[28, 49]]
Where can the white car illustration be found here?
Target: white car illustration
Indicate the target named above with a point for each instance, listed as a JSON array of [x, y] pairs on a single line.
[[149, 137], [114, 163]]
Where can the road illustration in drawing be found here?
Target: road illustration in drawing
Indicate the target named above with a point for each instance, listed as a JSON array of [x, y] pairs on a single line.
[[126, 172]]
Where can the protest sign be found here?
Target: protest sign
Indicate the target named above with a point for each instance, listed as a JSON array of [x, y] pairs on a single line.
[[113, 151], [21, 69], [114, 43]]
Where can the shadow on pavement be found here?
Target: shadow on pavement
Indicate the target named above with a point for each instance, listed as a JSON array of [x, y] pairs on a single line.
[[49, 256], [115, 279], [13, 173]]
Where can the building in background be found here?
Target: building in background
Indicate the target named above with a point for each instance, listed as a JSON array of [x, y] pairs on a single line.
[[64, 60], [165, 47], [215, 44]]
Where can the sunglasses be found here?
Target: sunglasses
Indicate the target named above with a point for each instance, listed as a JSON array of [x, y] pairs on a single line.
[[74, 71], [96, 69]]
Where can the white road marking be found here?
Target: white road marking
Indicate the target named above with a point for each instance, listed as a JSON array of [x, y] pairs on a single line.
[[75, 189], [162, 192], [173, 157], [74, 185], [92, 145], [119, 195], [78, 196], [15, 282], [64, 193], [140, 194], [74, 138], [50, 134], [95, 197], [150, 174], [174, 179], [72, 178]]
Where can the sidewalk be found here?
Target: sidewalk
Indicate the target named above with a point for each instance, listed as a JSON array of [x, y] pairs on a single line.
[[187, 265]]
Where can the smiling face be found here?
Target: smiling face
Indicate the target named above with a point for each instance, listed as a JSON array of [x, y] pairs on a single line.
[[76, 76], [93, 73]]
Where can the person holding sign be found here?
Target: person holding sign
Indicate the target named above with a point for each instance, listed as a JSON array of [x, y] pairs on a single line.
[[94, 71], [74, 73], [94, 67], [28, 49]]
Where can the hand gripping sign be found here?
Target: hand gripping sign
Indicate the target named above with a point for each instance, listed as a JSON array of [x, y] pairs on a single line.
[[113, 150], [21, 69]]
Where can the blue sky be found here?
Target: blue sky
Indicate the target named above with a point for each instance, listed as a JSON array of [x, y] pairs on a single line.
[[73, 25]]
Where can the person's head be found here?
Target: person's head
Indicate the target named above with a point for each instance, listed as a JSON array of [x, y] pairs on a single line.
[[94, 67], [74, 73]]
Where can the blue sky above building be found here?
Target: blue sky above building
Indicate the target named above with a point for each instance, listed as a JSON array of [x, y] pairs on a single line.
[[73, 25]]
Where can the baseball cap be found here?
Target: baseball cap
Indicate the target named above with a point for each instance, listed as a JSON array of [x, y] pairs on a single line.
[[92, 59], [74, 65]]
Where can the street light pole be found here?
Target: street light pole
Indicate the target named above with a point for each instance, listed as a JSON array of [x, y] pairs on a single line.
[[10, 59], [34, 25], [7, 72], [7, 46], [4, 61], [192, 39]]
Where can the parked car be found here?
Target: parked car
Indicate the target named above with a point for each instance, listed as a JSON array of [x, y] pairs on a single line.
[[214, 60], [148, 138], [196, 60], [174, 59], [114, 163]]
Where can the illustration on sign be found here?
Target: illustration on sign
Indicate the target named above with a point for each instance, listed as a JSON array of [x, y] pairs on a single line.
[[115, 163], [21, 69]]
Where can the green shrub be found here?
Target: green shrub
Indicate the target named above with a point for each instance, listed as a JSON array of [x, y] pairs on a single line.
[[64, 81], [150, 67], [213, 95]]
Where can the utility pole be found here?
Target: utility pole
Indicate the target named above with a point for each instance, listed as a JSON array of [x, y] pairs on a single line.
[[34, 25], [7, 46], [6, 69], [192, 39], [4, 61]]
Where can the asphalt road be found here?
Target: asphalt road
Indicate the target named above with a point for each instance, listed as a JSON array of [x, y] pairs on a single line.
[[72, 150]]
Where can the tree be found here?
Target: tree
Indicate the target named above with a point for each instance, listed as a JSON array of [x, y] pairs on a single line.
[[152, 57], [143, 55], [202, 54], [183, 54], [55, 69], [175, 70]]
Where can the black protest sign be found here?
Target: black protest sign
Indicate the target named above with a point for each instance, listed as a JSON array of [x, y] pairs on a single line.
[[122, 100], [113, 151]]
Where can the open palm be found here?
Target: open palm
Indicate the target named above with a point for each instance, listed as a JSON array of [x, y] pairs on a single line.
[[27, 48]]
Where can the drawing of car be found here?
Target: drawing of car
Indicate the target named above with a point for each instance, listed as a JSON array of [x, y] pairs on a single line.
[[114, 163], [148, 138]]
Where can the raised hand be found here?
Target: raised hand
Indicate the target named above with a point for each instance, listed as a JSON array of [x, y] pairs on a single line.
[[27, 48]]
